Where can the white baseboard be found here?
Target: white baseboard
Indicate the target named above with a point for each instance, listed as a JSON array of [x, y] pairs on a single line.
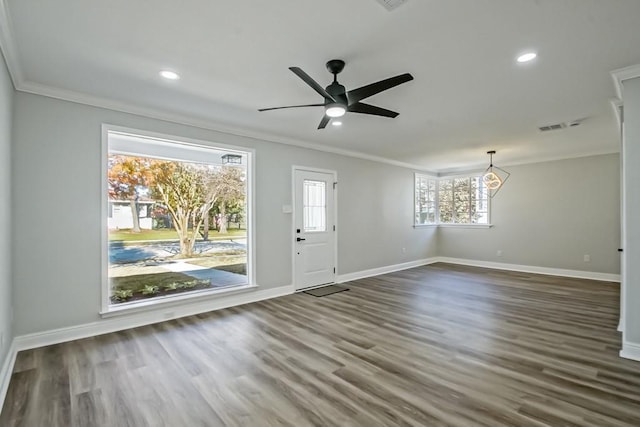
[[630, 351], [5, 372], [113, 324], [579, 274], [383, 270]]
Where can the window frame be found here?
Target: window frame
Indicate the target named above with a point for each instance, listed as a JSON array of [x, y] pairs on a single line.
[[428, 178], [437, 222], [106, 309]]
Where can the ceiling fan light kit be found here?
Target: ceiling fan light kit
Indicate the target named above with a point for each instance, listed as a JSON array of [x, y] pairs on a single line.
[[335, 110], [338, 101], [494, 177]]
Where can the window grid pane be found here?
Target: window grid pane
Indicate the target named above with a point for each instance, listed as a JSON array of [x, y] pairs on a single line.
[[463, 200], [425, 199], [314, 206]]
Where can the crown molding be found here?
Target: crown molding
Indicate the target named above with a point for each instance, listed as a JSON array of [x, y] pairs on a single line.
[[152, 113], [616, 104], [447, 173], [8, 46], [623, 74]]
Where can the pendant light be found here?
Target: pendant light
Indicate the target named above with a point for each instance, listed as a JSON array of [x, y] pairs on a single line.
[[494, 177]]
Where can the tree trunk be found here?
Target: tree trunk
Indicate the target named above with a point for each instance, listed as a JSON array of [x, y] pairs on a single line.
[[181, 223], [135, 215], [186, 247], [223, 218], [205, 232]]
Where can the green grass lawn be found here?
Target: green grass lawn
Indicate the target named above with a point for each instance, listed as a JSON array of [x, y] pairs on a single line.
[[233, 264], [125, 235]]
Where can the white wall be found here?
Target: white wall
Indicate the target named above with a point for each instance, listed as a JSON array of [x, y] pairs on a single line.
[[631, 97], [57, 163], [550, 215], [6, 109]]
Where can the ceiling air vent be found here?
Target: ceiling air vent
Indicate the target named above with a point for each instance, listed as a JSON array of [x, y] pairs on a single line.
[[552, 127], [391, 4], [564, 125]]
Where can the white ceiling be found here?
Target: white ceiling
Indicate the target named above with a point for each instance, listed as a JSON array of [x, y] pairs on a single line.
[[469, 95]]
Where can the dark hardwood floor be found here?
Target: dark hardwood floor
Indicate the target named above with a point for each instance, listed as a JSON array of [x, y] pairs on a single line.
[[431, 346]]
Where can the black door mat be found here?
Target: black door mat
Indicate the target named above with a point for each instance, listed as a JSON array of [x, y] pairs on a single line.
[[326, 290]]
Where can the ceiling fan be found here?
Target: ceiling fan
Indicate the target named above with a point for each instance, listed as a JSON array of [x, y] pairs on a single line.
[[337, 101]]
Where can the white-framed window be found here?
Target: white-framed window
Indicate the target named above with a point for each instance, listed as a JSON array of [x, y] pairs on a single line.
[[463, 200], [460, 200], [426, 199], [177, 219]]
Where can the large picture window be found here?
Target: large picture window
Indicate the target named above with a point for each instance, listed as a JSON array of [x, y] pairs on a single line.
[[177, 219]]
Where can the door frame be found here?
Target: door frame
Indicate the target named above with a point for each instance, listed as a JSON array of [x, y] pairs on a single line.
[[334, 173], [623, 228]]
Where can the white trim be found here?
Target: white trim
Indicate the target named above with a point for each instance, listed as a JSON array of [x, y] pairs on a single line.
[[462, 225], [172, 300], [630, 351], [295, 168], [453, 174], [104, 220], [8, 46], [99, 102], [618, 108], [468, 177], [55, 336], [446, 173], [579, 274], [105, 307], [153, 113], [384, 270], [623, 74], [416, 176], [6, 371]]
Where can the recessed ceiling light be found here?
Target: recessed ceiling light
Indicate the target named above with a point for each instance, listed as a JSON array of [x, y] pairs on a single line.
[[336, 123], [526, 57], [169, 75]]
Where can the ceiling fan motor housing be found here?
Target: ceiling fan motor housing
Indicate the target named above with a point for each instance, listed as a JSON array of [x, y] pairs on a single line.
[[338, 92]]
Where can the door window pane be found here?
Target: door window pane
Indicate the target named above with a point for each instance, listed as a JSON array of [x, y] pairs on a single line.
[[314, 206]]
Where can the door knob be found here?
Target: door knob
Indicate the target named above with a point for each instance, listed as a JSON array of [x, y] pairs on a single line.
[[298, 239]]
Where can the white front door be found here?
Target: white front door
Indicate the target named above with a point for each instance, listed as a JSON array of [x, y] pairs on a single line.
[[314, 234]]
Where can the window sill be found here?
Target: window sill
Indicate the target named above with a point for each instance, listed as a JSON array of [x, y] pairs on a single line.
[[173, 300], [465, 225], [452, 225]]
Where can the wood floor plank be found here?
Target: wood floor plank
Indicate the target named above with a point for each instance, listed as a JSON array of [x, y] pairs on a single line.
[[439, 345]]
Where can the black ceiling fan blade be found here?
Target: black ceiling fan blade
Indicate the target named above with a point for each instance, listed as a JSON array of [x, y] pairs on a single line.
[[360, 107], [314, 85], [291, 106], [363, 92], [324, 122]]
